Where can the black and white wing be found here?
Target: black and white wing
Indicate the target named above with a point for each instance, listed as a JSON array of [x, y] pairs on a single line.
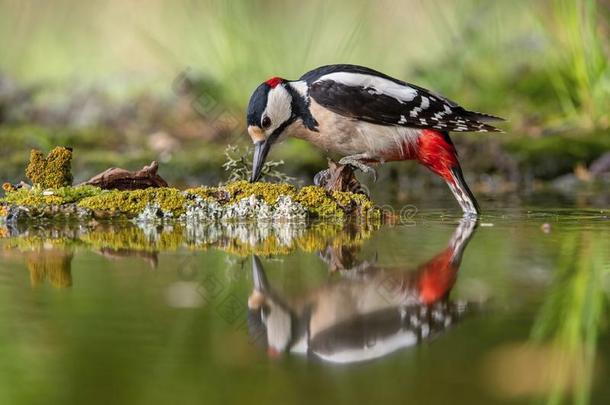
[[368, 95]]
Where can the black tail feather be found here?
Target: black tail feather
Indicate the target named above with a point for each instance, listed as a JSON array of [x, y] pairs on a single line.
[[479, 116]]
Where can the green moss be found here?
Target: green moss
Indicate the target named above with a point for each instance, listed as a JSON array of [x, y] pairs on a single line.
[[74, 194], [52, 171], [170, 200], [31, 198], [37, 197]]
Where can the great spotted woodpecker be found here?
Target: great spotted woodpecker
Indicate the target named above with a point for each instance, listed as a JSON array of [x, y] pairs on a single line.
[[367, 117], [366, 313]]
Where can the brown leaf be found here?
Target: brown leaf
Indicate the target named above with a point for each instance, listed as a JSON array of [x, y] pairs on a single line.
[[121, 179]]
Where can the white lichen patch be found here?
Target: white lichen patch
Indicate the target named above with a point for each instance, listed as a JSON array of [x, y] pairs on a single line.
[[202, 211], [250, 208], [286, 209], [152, 213]]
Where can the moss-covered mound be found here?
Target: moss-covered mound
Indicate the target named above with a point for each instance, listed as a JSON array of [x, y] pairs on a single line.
[[52, 171], [232, 202]]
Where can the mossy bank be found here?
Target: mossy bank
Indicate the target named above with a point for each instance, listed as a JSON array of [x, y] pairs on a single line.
[[235, 201]]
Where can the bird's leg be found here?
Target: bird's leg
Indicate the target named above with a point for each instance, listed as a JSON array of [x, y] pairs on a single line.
[[357, 161]]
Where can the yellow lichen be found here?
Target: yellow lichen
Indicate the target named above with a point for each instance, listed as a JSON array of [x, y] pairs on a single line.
[[170, 200], [319, 202], [204, 192], [36, 169], [8, 188], [269, 192], [52, 171], [361, 202]]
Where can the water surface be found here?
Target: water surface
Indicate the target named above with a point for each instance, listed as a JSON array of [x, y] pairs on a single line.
[[435, 309]]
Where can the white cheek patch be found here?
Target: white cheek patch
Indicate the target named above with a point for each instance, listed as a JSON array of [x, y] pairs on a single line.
[[279, 107], [378, 85]]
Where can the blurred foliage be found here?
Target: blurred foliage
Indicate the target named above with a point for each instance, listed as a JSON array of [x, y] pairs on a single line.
[[574, 314], [560, 362], [579, 60], [172, 80], [486, 53]]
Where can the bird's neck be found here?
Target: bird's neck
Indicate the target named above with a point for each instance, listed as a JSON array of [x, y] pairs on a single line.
[[299, 91], [300, 88]]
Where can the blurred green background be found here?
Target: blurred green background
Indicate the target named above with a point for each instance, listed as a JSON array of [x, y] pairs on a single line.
[[125, 82]]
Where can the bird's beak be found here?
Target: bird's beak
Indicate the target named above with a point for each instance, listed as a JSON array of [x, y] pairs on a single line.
[[261, 149], [258, 275]]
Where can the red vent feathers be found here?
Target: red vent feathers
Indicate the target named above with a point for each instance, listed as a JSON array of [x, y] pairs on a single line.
[[437, 153]]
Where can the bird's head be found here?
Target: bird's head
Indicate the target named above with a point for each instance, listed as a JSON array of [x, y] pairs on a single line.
[[267, 310], [270, 111]]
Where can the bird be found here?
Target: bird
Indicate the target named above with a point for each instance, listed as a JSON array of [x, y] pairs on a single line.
[[368, 118], [367, 312]]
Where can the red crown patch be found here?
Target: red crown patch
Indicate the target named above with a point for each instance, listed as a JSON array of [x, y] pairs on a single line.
[[274, 81]]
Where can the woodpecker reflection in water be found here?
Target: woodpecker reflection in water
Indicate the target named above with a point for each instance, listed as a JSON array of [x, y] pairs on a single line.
[[369, 313]]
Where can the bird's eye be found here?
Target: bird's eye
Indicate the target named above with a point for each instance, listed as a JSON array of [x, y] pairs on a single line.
[[266, 123]]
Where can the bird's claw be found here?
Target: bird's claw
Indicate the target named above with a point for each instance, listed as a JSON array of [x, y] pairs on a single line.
[[359, 165], [321, 178]]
